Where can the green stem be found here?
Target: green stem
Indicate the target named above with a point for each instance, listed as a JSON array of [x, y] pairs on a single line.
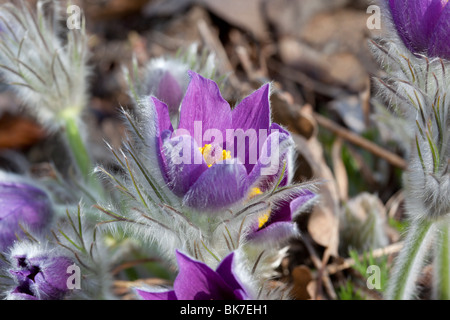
[[77, 147], [409, 261], [443, 263]]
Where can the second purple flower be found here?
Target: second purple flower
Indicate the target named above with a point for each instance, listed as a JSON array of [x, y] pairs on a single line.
[[423, 25]]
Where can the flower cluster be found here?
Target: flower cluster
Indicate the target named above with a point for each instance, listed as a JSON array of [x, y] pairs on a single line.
[[210, 185], [218, 183]]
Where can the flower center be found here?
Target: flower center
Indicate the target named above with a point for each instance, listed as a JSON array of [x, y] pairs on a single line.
[[265, 217], [212, 155]]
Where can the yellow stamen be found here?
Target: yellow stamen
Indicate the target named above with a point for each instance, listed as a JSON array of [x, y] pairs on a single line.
[[206, 151], [254, 192], [263, 220], [265, 217]]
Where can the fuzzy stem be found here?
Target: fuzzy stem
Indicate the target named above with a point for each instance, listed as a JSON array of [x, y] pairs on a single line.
[[408, 263], [442, 283]]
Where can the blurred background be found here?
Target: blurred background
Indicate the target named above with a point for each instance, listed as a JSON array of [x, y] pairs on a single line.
[[317, 55]]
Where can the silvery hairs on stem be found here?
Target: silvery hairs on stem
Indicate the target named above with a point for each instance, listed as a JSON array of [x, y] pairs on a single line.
[[417, 87], [48, 73], [415, 57]]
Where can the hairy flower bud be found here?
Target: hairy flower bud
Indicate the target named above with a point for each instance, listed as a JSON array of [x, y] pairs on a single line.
[[48, 74], [39, 274], [363, 224], [167, 80], [166, 77]]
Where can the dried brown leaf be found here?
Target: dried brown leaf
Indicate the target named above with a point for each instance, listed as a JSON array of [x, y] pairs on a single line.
[[301, 276]]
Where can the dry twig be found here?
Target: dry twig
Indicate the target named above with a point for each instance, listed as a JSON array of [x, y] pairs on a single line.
[[349, 262], [390, 157]]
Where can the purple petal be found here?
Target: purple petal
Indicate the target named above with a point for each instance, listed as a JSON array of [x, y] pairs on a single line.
[[184, 163], [53, 273], [274, 233], [423, 25], [302, 200], [20, 275], [197, 281], [431, 16], [164, 129], [407, 16], [222, 185], [273, 153], [250, 118], [440, 38], [244, 146], [204, 104], [276, 127], [288, 209], [280, 225], [225, 270], [163, 295], [162, 112], [254, 111]]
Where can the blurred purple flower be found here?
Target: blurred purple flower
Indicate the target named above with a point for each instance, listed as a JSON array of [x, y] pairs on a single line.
[[219, 170], [197, 281], [423, 25], [167, 81], [41, 277], [170, 91], [22, 204]]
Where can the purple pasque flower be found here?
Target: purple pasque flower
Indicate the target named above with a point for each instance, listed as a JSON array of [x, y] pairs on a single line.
[[197, 281], [423, 25], [40, 277], [217, 154], [21, 204], [277, 225]]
